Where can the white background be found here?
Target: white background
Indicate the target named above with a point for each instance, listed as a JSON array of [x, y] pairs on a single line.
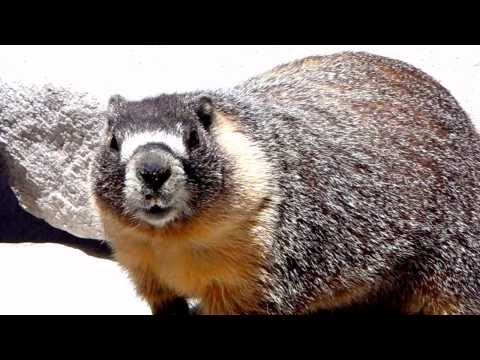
[[53, 279]]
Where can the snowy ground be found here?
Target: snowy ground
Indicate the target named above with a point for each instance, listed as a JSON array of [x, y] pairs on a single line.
[[54, 279]]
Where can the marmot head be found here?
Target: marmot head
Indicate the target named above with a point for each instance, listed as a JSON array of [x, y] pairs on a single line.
[[159, 161]]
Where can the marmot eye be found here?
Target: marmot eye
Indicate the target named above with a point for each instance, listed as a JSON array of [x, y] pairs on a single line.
[[114, 144], [193, 141]]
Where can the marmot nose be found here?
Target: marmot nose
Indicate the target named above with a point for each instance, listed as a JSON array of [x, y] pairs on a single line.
[[154, 176]]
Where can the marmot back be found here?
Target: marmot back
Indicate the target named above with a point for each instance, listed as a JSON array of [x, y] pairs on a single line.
[[331, 182]]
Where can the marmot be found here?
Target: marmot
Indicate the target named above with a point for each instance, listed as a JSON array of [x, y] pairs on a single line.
[[330, 182]]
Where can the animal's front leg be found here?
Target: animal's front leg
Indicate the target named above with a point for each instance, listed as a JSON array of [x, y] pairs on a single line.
[[219, 299], [171, 306], [161, 299]]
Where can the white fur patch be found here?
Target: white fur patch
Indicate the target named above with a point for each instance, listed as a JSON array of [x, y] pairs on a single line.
[[160, 222], [133, 142]]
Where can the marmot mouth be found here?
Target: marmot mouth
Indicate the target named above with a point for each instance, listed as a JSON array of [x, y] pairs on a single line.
[[157, 210]]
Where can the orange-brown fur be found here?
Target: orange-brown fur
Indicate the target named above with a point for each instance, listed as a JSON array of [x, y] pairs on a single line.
[[426, 301], [342, 297]]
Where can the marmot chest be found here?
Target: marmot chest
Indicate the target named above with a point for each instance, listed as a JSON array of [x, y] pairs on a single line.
[[191, 269]]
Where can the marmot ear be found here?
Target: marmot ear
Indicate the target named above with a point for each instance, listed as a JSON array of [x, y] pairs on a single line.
[[205, 111], [116, 103]]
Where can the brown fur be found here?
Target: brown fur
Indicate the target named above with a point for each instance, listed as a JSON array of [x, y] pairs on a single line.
[[342, 297]]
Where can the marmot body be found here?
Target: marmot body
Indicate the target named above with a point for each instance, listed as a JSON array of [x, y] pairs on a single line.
[[326, 183]]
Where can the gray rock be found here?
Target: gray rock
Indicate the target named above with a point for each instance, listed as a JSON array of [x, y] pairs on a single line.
[[47, 136]]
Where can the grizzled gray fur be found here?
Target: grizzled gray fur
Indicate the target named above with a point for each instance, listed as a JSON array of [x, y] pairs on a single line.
[[377, 173]]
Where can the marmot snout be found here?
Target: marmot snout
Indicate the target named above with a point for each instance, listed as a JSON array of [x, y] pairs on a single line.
[[155, 183]]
